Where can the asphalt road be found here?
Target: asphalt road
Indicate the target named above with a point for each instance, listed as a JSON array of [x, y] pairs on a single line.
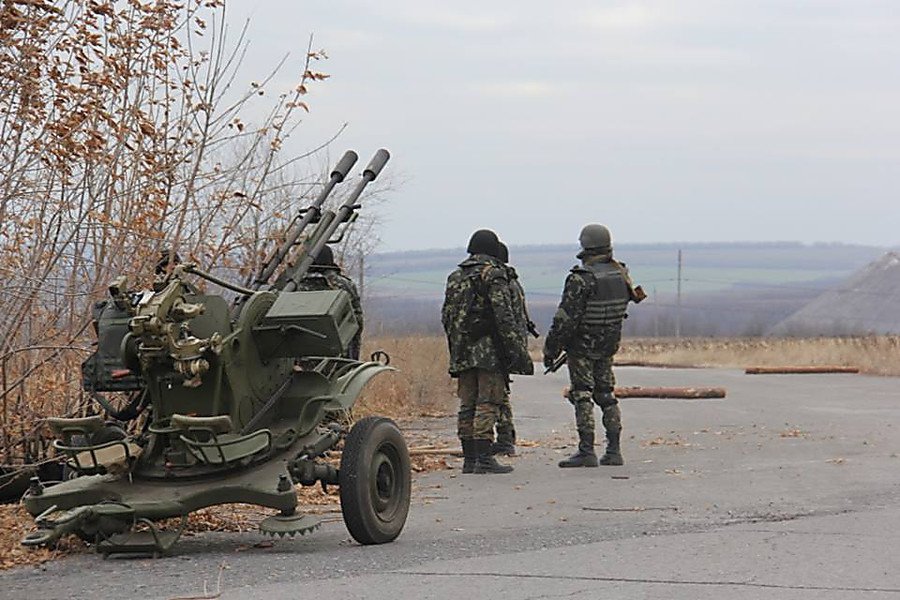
[[788, 488]]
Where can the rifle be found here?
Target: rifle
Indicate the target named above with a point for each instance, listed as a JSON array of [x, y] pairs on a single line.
[[559, 362]]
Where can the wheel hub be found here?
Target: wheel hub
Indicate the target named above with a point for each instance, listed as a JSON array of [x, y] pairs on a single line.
[[385, 481]]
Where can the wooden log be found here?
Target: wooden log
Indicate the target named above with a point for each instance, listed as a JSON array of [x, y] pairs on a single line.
[[435, 452], [669, 392], [653, 365], [421, 451], [799, 370]]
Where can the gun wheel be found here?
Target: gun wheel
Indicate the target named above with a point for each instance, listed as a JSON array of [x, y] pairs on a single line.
[[375, 481]]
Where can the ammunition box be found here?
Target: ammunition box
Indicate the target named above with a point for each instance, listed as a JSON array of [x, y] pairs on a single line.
[[300, 324]]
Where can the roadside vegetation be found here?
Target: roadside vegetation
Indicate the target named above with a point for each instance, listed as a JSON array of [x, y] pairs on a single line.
[[874, 355]]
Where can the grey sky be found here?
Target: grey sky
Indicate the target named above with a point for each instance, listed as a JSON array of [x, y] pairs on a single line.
[[668, 121]]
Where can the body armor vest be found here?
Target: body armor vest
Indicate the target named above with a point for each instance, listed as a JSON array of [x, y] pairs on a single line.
[[608, 299]]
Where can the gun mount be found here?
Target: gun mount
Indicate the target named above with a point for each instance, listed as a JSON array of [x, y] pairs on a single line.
[[239, 401]]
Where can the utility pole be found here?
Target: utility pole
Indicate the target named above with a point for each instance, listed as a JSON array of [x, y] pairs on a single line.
[[678, 303], [655, 313]]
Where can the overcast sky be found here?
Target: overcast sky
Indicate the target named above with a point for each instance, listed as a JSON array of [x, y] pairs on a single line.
[[668, 121]]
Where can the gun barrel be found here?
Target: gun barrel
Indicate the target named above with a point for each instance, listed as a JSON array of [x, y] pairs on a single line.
[[309, 214], [557, 364], [331, 221], [376, 164]]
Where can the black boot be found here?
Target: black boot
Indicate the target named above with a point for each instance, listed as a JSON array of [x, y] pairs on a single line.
[[613, 455], [485, 463], [469, 456], [585, 457], [503, 449]]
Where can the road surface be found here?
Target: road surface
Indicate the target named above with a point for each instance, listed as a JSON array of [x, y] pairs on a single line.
[[787, 488]]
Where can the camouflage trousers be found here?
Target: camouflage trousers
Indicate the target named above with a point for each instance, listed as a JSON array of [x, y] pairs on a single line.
[[481, 394], [592, 381], [506, 429]]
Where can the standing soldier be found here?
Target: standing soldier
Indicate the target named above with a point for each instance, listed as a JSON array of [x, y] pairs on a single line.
[[506, 430], [485, 347], [588, 327], [325, 274]]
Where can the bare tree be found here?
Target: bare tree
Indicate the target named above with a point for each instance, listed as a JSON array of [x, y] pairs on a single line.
[[123, 132]]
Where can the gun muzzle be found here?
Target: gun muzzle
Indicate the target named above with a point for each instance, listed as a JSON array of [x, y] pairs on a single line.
[[376, 164], [343, 167]]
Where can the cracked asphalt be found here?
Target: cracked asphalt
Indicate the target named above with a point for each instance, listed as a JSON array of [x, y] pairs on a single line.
[[787, 488]]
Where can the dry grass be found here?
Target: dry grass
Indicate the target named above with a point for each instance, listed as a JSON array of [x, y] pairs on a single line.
[[420, 387], [15, 522], [872, 354]]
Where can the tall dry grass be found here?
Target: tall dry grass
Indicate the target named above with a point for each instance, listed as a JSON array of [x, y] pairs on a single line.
[[877, 355], [421, 385]]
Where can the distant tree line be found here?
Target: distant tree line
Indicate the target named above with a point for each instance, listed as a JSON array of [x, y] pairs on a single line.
[[721, 314]]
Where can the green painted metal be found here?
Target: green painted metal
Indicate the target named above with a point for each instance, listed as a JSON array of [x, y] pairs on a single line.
[[240, 397]]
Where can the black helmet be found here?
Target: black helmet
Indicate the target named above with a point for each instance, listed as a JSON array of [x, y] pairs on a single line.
[[167, 257], [325, 258], [484, 241], [503, 253]]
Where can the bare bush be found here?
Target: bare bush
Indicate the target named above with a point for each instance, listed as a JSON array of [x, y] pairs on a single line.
[[124, 132]]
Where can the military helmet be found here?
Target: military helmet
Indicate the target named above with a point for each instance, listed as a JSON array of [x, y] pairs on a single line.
[[167, 258], [325, 257], [503, 252], [595, 237], [484, 241]]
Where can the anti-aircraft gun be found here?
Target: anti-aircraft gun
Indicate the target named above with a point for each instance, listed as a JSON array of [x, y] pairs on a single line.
[[240, 401]]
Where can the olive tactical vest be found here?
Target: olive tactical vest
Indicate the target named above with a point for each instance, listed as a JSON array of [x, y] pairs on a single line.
[[608, 300]]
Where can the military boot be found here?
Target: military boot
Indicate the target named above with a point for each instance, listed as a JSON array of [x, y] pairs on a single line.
[[469, 456], [485, 463], [503, 449], [613, 454], [585, 457]]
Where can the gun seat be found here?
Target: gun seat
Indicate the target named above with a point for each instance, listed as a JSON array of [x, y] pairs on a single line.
[[88, 458], [110, 457], [211, 440]]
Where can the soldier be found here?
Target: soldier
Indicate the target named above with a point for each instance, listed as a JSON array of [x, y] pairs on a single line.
[[588, 326], [325, 274], [485, 347], [506, 430]]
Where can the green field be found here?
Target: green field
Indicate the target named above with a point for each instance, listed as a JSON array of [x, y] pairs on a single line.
[[707, 268]]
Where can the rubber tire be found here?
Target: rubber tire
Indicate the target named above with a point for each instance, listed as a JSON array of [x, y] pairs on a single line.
[[375, 443]]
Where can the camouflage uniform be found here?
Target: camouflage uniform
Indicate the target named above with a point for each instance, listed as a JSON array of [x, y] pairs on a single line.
[[485, 347], [588, 326], [327, 277], [506, 429], [483, 336]]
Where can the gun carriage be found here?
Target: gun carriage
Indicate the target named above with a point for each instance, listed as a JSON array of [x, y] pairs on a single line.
[[239, 401]]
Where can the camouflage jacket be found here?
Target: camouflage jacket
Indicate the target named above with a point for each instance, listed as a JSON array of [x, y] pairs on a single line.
[[589, 319], [520, 309], [330, 278], [479, 320]]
